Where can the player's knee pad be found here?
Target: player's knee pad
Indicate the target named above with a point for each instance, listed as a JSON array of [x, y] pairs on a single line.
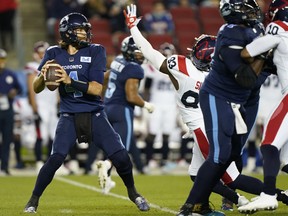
[[56, 160], [122, 162]]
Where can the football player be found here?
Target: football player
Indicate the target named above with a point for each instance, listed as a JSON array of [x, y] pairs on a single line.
[[121, 96], [275, 132], [179, 68], [186, 76], [82, 117], [222, 97], [160, 91], [44, 105]]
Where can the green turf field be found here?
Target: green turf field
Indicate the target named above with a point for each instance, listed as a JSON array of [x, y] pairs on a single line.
[[81, 195]]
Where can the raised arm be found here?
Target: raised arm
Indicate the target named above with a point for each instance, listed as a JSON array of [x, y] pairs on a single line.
[[154, 56]]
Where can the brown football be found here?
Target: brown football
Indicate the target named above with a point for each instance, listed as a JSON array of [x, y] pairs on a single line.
[[50, 79]]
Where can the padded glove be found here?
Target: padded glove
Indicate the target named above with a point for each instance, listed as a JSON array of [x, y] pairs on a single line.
[[149, 107], [131, 16]]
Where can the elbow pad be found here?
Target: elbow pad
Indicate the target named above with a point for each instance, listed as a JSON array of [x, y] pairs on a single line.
[[245, 76]]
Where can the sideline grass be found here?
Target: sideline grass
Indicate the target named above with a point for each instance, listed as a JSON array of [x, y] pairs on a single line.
[[80, 195]]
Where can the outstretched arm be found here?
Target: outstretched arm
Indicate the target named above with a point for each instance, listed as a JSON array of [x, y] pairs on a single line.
[[154, 56]]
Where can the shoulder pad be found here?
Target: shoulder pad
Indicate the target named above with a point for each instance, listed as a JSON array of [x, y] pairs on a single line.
[[276, 27], [237, 35]]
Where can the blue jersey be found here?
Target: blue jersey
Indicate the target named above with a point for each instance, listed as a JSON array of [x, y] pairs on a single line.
[[221, 82], [9, 81], [121, 71], [88, 64]]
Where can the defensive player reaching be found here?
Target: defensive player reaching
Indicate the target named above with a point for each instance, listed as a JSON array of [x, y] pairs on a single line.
[[201, 58], [186, 78], [192, 115], [81, 72], [159, 89], [275, 132]]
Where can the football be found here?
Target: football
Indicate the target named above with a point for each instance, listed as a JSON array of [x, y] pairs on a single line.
[[50, 78]]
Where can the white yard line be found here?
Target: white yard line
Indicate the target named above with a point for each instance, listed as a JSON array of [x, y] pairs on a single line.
[[98, 190]]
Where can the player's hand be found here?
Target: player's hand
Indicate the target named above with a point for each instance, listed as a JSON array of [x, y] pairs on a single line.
[[188, 134], [259, 28], [149, 107], [37, 119], [63, 76], [131, 16]]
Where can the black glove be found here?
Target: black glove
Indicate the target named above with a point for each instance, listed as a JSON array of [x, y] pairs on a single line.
[[269, 66], [37, 119], [259, 28]]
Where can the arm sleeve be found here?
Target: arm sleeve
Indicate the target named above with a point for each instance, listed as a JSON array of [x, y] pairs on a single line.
[[154, 56], [231, 58], [262, 44]]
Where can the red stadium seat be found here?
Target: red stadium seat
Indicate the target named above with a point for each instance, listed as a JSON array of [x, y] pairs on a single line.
[[210, 19], [187, 26], [212, 27], [145, 6], [184, 41], [100, 25], [117, 39], [144, 9], [210, 13], [56, 31], [182, 13], [105, 39], [157, 39]]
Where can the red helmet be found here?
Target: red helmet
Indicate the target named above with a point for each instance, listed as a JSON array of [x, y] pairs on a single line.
[[278, 10], [201, 52]]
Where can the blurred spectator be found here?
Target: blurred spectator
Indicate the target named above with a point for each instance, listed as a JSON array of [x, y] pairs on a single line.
[[24, 129], [44, 106], [115, 14], [159, 21], [8, 10], [96, 9], [160, 91], [56, 9], [10, 87], [181, 3]]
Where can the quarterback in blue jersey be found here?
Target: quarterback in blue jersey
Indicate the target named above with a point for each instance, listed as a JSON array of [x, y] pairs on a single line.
[[121, 96], [81, 67], [222, 96]]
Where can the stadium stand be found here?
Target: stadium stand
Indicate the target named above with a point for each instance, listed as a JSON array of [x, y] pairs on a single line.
[[100, 25], [157, 39]]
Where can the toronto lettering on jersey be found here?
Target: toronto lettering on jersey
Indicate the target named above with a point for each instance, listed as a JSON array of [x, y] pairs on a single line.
[[67, 67]]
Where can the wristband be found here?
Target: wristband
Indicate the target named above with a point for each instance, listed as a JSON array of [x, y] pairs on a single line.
[[79, 85]]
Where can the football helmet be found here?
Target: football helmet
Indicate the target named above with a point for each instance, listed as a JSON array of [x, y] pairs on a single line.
[[240, 11], [39, 50], [201, 52], [3, 54], [167, 49], [130, 51], [40, 46], [278, 10], [67, 27]]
